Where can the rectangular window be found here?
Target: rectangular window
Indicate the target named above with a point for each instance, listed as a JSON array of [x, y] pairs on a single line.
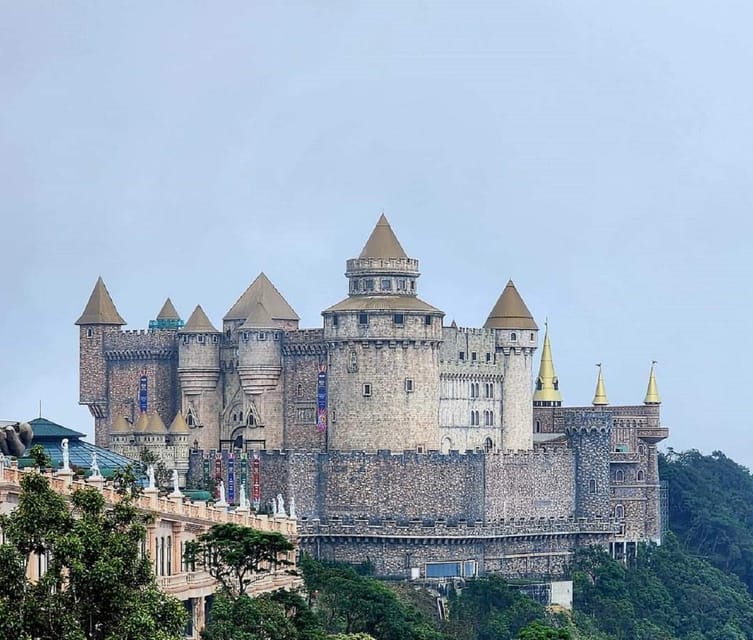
[[245, 336], [262, 335], [276, 335], [386, 284], [442, 569], [335, 321], [369, 284], [214, 339], [409, 385], [427, 320], [399, 319], [363, 319], [200, 338], [333, 415], [474, 356], [461, 356], [488, 357], [401, 284], [367, 390]]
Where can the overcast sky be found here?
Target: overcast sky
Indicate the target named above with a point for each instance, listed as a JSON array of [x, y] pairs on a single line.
[[600, 154]]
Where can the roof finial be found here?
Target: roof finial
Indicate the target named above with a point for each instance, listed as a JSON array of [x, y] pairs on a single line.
[[652, 392], [547, 392], [600, 397]]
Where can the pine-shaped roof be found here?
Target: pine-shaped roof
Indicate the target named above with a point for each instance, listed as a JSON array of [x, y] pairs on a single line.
[[178, 426], [259, 318], [199, 323], [261, 290], [510, 312], [155, 425], [120, 425], [168, 312], [600, 396], [652, 392], [383, 242], [142, 424], [547, 385], [100, 309]]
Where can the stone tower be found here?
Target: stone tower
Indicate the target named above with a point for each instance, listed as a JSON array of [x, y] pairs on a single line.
[[99, 320], [198, 373], [516, 337], [383, 342]]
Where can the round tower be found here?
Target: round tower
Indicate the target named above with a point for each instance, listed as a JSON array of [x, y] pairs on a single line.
[[516, 336], [383, 342], [198, 373]]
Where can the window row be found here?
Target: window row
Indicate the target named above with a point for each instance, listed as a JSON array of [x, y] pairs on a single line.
[[408, 385], [398, 319], [488, 389], [201, 339], [370, 285], [474, 357], [619, 476], [488, 418]]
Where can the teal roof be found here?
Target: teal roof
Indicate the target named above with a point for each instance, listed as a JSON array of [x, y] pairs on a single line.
[[50, 436]]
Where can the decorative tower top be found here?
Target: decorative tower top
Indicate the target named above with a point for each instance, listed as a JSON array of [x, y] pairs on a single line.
[[262, 291], [652, 393], [120, 426], [258, 318], [547, 392], [199, 323], [178, 427], [167, 318], [100, 309], [510, 312], [382, 268], [600, 397]]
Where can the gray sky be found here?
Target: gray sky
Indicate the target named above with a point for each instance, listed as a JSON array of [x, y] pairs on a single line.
[[600, 154]]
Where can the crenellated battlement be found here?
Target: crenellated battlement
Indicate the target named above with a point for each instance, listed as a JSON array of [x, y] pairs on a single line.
[[141, 339], [453, 369], [355, 266]]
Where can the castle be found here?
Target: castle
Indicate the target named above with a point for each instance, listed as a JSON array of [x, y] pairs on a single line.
[[426, 449]]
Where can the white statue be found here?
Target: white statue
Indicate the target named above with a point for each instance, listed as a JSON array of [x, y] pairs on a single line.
[[96, 473], [292, 508], [275, 512], [243, 498], [222, 502], [176, 488], [66, 455], [280, 505], [2, 465], [150, 476]]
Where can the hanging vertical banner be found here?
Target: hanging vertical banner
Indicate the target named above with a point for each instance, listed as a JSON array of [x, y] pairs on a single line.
[[244, 473], [143, 393], [256, 482], [205, 470], [217, 475], [321, 398], [231, 478]]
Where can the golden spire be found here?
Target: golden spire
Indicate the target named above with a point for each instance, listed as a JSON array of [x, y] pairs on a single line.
[[600, 397], [547, 392], [652, 393]]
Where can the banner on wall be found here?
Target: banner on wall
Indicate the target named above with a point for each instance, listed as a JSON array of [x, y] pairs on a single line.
[[217, 476], [231, 478], [205, 471], [244, 474], [256, 482], [143, 393], [321, 398]]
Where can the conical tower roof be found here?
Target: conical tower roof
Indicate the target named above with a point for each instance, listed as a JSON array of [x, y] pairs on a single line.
[[383, 242], [258, 318], [510, 312], [120, 426], [142, 424], [199, 323], [100, 309], [261, 290], [547, 392], [168, 312], [652, 392], [178, 426], [600, 397], [155, 424]]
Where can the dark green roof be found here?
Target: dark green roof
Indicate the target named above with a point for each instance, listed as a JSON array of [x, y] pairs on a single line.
[[44, 428]]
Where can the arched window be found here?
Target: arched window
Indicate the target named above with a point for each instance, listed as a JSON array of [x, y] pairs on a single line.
[[641, 476], [488, 445], [513, 337], [619, 512], [619, 476], [299, 390], [191, 418], [538, 426], [446, 445], [592, 486], [89, 332]]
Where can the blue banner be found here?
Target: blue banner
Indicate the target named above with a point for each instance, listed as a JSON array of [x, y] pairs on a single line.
[[143, 393], [321, 398], [231, 478]]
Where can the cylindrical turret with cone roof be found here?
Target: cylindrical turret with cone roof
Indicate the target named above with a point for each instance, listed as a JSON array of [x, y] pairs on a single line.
[[516, 336], [383, 379]]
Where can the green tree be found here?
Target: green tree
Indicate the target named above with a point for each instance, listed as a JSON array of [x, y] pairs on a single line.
[[96, 587], [538, 631], [236, 556], [162, 475], [39, 456]]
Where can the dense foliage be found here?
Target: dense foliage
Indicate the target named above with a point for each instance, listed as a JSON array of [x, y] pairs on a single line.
[[97, 585], [711, 510]]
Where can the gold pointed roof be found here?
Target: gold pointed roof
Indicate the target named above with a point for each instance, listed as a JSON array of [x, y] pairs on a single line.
[[383, 242], [261, 290], [600, 397], [168, 312], [199, 323], [652, 392], [120, 426], [142, 424], [178, 426], [547, 384], [258, 318], [155, 424], [100, 309], [510, 312]]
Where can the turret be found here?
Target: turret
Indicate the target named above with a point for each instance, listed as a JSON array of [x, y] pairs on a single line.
[[99, 319], [167, 318], [260, 291], [516, 336], [547, 392], [383, 380], [600, 396], [652, 392], [259, 356]]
